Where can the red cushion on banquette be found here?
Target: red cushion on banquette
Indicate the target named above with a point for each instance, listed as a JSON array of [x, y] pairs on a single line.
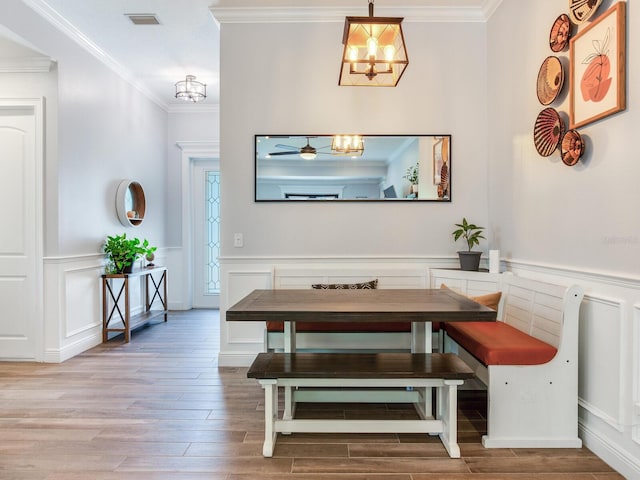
[[497, 343]]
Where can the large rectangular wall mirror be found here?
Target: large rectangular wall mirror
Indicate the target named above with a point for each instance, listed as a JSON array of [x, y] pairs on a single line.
[[353, 168]]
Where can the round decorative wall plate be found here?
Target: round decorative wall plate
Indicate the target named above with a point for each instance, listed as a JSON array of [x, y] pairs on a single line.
[[548, 131], [560, 33], [581, 10], [572, 147], [550, 80]]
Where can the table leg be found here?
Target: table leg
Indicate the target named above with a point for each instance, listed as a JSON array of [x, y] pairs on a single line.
[[421, 337], [289, 337], [289, 347], [421, 343]]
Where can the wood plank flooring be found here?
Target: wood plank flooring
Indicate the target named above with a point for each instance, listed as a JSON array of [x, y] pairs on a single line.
[[159, 408]]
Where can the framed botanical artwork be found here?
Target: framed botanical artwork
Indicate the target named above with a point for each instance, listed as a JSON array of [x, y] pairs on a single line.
[[597, 68]]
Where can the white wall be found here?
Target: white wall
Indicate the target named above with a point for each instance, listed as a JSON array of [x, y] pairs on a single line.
[[192, 131], [106, 131], [579, 216], [442, 91], [572, 224], [477, 82], [198, 125], [99, 130]]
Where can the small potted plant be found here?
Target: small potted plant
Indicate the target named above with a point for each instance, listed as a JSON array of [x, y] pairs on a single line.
[[469, 260], [122, 253], [412, 176]]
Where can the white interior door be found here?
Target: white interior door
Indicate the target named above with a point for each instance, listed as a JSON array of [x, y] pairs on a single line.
[[21, 234], [206, 232]]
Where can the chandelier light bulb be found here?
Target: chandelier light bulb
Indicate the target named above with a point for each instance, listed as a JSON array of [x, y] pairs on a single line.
[[372, 46]]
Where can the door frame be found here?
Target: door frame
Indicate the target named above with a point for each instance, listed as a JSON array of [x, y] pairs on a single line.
[[191, 151], [198, 168], [36, 106]]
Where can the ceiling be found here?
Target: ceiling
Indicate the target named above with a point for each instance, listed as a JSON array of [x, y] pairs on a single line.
[[154, 57]]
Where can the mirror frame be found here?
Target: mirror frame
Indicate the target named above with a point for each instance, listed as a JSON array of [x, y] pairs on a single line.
[[309, 138]]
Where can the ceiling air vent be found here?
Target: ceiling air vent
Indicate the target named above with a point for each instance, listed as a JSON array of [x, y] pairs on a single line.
[[143, 18]]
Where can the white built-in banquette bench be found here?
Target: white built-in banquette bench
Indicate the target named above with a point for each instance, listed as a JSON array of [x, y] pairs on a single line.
[[528, 361]]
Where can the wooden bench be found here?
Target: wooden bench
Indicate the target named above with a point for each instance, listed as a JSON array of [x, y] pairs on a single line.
[[422, 372], [528, 360]]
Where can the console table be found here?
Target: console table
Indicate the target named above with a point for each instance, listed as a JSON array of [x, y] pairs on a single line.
[[112, 298]]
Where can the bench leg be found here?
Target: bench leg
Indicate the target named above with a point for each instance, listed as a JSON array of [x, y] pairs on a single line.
[[447, 412], [289, 405], [270, 416]]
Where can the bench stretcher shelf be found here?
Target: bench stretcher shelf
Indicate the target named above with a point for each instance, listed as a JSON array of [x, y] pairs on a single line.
[[422, 372]]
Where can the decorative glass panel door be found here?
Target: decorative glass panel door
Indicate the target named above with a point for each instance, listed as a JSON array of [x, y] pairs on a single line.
[[206, 202]]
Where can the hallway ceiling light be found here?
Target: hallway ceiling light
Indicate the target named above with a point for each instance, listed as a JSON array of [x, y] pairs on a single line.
[[190, 90], [374, 51]]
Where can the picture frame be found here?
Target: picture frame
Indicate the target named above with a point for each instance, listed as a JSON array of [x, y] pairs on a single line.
[[599, 50], [440, 157]]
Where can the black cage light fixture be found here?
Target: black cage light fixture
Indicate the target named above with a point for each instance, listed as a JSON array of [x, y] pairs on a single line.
[[191, 90], [374, 51]]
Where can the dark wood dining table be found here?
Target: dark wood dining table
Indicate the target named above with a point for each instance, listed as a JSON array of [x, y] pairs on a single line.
[[418, 306]]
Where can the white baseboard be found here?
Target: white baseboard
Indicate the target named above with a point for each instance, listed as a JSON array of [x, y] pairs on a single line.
[[69, 351], [178, 306], [617, 458]]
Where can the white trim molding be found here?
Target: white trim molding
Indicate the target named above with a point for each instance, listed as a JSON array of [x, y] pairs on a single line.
[[336, 14], [190, 150], [26, 65], [42, 8]]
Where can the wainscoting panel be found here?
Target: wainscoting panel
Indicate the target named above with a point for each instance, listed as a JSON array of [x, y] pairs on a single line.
[[81, 299], [600, 359], [73, 306], [240, 341], [388, 276]]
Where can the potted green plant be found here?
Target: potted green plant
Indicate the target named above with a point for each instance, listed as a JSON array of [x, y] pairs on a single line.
[[412, 176], [122, 252], [471, 233]]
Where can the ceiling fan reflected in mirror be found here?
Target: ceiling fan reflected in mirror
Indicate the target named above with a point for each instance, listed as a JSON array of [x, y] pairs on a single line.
[[307, 152]]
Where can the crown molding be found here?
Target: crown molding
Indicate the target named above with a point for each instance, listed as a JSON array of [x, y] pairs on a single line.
[[490, 7], [26, 65], [424, 14], [202, 148], [42, 8]]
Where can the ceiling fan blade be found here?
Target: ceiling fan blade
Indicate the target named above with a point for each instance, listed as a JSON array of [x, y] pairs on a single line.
[[288, 147], [273, 154]]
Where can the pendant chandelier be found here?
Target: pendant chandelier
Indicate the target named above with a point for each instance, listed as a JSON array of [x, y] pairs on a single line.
[[190, 90], [347, 145], [374, 51]]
